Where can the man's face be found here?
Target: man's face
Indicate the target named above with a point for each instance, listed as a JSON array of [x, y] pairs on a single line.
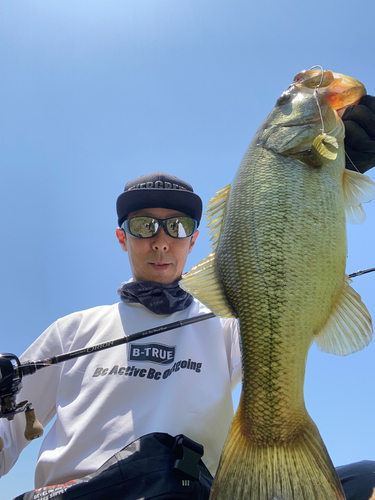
[[160, 258]]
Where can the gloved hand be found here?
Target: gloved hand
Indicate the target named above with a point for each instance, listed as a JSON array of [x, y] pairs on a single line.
[[359, 121]]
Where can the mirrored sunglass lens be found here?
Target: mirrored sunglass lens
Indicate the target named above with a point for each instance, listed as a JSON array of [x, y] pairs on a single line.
[[180, 227], [143, 227]]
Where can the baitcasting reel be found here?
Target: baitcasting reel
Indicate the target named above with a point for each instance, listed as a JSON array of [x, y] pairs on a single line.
[[10, 385]]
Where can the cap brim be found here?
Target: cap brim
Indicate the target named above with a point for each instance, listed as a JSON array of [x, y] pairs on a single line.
[[176, 199]]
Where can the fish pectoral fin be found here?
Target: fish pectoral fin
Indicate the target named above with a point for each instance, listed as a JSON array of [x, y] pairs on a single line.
[[349, 328], [358, 188], [202, 282]]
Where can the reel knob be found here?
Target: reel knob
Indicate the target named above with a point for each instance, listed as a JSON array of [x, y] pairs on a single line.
[[34, 428]]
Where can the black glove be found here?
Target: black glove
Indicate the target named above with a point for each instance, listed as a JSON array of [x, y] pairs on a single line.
[[359, 121]]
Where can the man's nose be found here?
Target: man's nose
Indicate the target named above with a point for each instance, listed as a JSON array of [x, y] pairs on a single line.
[[160, 241]]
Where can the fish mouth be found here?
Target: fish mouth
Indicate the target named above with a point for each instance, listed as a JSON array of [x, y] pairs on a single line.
[[340, 90]]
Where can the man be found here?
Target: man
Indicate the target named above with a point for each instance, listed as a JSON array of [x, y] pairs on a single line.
[[178, 382]]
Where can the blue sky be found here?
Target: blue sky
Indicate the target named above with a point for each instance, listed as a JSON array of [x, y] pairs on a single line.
[[95, 93]]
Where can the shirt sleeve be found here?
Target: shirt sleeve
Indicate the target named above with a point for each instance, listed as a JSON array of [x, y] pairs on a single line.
[[40, 389]]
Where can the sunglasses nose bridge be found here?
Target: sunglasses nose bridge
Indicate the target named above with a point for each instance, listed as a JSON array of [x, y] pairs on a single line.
[[164, 224], [158, 224]]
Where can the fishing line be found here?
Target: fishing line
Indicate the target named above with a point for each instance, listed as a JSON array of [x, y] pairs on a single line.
[[348, 157], [316, 94]]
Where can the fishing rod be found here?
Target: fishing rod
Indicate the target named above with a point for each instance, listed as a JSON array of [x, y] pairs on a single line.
[[11, 372], [359, 273], [31, 366]]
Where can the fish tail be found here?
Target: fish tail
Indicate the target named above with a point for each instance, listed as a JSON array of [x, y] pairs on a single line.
[[299, 470]]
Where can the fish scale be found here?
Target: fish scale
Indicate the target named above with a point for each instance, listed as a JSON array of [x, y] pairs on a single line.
[[278, 265]]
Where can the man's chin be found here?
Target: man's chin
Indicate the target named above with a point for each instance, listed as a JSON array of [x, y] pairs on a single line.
[[166, 281], [159, 278]]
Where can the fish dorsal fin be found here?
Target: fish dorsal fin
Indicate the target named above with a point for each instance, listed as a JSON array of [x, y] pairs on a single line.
[[216, 211], [358, 188], [202, 281], [349, 328]]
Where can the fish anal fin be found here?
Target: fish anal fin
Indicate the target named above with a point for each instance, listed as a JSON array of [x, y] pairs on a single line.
[[202, 283], [358, 188], [349, 328]]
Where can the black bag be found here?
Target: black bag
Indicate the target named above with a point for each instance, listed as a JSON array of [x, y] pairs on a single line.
[[358, 479], [155, 467]]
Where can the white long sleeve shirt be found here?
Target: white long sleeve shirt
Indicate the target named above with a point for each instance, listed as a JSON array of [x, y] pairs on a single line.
[[178, 381]]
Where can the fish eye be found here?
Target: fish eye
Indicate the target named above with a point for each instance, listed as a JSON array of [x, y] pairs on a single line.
[[284, 98]]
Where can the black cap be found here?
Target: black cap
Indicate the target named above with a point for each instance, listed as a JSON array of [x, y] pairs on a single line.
[[158, 190]]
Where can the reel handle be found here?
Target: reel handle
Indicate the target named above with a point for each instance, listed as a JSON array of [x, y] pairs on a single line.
[[34, 428]]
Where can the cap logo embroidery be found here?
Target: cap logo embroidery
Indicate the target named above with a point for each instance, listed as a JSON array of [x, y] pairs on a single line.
[[156, 185]]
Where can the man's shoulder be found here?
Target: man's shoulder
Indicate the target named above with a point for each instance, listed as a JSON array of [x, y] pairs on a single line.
[[92, 313]]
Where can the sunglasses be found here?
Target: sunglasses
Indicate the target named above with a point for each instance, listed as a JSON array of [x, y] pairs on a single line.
[[147, 227]]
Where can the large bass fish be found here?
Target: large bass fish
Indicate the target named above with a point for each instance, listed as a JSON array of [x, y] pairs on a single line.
[[278, 265]]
